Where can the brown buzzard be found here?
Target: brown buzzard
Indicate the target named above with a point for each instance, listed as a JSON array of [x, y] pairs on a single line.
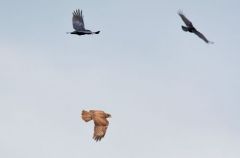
[[100, 121]]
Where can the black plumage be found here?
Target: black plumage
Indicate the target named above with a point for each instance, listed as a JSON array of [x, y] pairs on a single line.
[[78, 24], [190, 28]]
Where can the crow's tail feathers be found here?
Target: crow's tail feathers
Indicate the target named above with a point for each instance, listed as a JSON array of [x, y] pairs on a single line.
[[184, 28]]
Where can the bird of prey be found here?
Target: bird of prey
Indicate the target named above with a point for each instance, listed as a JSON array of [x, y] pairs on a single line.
[[100, 121], [78, 24], [190, 28]]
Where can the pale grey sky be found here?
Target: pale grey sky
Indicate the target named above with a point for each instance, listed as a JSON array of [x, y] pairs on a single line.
[[170, 94]]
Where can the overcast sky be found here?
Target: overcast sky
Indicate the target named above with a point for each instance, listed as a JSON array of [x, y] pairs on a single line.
[[170, 94]]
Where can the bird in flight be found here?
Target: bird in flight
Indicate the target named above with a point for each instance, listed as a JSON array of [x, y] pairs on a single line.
[[100, 121], [190, 28], [78, 24]]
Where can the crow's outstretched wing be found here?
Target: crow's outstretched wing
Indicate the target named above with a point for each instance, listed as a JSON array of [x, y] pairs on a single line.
[[200, 35], [185, 20], [77, 20]]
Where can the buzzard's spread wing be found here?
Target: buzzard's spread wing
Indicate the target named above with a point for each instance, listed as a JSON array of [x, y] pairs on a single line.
[[101, 124], [77, 20], [99, 132], [185, 20]]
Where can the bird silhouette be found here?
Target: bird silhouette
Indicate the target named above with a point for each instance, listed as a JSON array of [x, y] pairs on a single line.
[[190, 28], [100, 121], [78, 24]]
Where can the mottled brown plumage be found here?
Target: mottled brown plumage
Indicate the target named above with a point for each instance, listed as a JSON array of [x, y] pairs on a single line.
[[100, 121]]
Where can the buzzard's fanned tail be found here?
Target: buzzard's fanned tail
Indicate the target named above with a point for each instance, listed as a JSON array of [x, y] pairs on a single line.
[[86, 116]]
